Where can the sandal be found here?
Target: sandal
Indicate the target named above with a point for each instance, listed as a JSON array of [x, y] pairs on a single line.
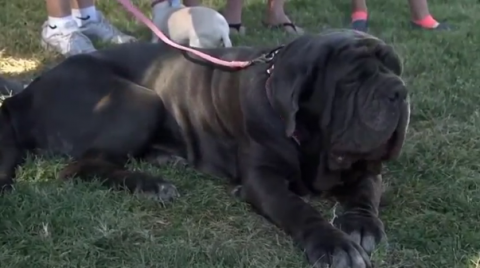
[[236, 28], [288, 27], [359, 25]]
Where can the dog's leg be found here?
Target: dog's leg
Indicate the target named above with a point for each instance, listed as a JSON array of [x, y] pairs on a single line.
[[11, 154], [154, 39], [202, 40], [266, 189], [114, 175], [358, 215], [196, 42], [226, 41]]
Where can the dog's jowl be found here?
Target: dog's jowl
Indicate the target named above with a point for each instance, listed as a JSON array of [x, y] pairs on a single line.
[[322, 116]]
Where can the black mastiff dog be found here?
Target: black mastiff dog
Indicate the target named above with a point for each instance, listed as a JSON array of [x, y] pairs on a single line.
[[322, 115]]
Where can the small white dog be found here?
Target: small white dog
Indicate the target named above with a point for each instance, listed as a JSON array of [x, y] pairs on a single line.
[[197, 26]]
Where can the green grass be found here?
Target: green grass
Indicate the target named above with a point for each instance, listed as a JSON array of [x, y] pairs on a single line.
[[433, 219]]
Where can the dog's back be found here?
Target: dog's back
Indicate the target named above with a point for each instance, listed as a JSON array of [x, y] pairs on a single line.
[[195, 26], [121, 101], [210, 27]]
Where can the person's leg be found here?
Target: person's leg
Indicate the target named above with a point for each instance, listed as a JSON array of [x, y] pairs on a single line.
[[233, 14], [173, 3], [61, 33], [277, 18], [58, 8], [421, 16], [83, 11], [93, 23], [359, 15], [191, 3]]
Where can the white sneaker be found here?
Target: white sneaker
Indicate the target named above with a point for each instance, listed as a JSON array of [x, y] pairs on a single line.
[[68, 40], [105, 31]]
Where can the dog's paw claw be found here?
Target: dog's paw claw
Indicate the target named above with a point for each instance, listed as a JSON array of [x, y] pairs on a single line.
[[178, 161], [237, 192], [163, 192], [167, 192]]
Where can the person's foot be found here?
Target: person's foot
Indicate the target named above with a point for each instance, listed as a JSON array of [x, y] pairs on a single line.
[[360, 25], [359, 21], [282, 22], [441, 26], [103, 30], [429, 23], [237, 28], [234, 18], [67, 40], [191, 3]]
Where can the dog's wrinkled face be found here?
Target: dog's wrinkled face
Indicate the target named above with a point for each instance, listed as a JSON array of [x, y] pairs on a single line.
[[344, 89]]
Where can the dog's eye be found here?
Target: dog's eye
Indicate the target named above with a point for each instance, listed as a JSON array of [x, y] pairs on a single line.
[[338, 158]]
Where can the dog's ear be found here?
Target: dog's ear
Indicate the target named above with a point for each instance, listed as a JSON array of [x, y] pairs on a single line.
[[385, 53], [285, 101], [390, 58], [294, 68]]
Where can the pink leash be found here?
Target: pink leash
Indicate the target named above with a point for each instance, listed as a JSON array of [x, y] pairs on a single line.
[[139, 15]]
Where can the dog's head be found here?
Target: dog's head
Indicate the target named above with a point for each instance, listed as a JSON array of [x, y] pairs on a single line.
[[344, 89]]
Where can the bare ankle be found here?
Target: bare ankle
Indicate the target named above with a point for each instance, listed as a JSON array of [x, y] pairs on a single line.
[[191, 3], [276, 17]]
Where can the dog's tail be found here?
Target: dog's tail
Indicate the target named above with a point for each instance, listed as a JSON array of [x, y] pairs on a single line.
[[226, 40], [11, 153], [224, 28]]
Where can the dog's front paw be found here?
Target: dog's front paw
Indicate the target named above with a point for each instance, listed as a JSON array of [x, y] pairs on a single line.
[[364, 228], [335, 249], [158, 191]]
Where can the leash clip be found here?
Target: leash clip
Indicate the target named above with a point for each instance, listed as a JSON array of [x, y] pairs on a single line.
[[267, 57]]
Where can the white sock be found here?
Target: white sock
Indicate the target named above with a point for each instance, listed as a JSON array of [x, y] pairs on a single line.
[[84, 15], [65, 23]]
